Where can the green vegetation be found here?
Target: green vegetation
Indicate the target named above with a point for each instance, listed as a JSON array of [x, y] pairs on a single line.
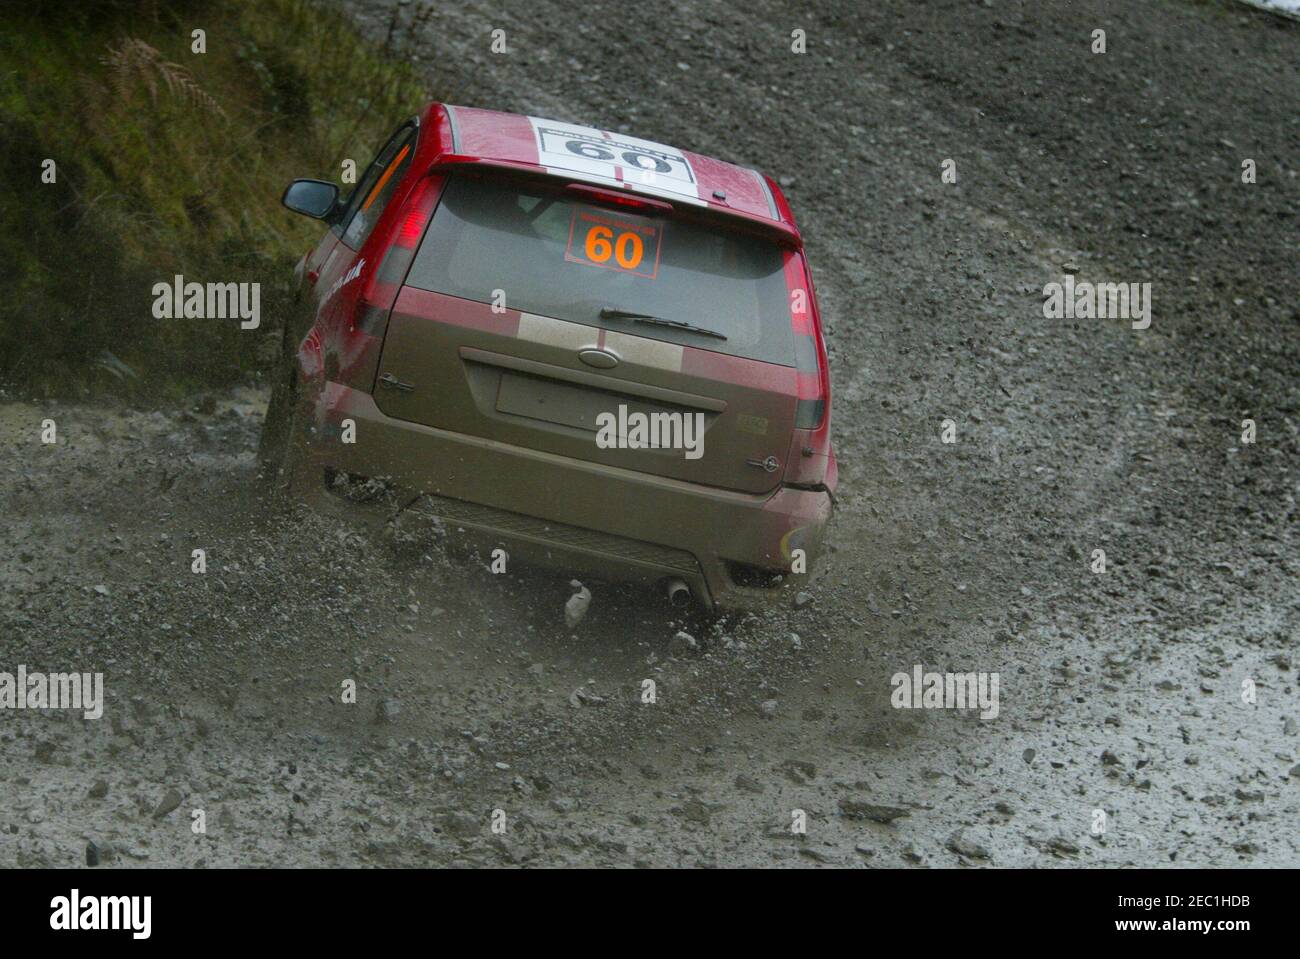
[[169, 161]]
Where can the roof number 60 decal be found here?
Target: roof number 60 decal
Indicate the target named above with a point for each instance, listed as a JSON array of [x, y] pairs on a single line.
[[642, 161], [611, 156]]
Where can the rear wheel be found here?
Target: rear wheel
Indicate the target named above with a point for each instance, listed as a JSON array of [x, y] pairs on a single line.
[[282, 452], [275, 426], [276, 429]]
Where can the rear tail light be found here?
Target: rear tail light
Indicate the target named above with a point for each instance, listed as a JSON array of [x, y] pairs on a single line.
[[416, 213], [810, 464], [369, 313], [812, 368]]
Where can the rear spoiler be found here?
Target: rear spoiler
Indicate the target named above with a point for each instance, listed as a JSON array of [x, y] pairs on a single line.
[[700, 210]]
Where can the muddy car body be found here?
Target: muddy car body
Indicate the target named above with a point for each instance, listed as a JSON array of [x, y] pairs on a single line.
[[499, 292]]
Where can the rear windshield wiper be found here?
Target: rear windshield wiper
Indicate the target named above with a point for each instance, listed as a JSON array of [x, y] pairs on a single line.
[[610, 313]]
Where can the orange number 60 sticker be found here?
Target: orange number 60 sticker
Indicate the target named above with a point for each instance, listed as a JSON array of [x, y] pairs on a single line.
[[614, 241]]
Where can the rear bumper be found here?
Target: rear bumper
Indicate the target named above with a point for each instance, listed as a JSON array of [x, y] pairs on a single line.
[[572, 512]]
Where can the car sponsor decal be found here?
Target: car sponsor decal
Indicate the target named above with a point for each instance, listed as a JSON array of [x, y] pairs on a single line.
[[614, 156], [656, 354], [615, 241], [553, 332]]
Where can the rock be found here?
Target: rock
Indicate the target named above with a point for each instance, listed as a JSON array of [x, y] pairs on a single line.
[[512, 852], [854, 809], [750, 785], [580, 697], [99, 790], [962, 846], [802, 599], [1108, 758], [1062, 847], [816, 855], [798, 771], [768, 709], [169, 804], [1028, 755], [387, 711], [694, 811], [576, 607], [681, 644], [98, 853], [460, 824]]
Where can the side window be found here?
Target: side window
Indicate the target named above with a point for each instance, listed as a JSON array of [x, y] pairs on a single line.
[[372, 194]]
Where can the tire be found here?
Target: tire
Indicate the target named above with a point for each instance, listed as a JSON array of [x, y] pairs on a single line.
[[283, 453], [276, 425], [297, 478]]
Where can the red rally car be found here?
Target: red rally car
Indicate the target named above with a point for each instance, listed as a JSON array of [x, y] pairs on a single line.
[[602, 351]]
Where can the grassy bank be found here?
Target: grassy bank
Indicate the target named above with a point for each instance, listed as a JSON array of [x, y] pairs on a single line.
[[168, 161]]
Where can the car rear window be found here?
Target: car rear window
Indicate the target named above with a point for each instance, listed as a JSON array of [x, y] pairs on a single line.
[[566, 258]]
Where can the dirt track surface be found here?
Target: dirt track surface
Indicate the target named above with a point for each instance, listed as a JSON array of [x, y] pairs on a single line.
[[1119, 691]]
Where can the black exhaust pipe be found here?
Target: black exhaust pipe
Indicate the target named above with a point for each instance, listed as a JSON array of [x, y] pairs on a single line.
[[679, 594]]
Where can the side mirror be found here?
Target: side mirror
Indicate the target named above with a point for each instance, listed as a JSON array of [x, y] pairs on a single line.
[[313, 198]]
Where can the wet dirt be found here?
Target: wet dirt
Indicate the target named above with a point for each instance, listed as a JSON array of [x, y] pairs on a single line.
[[1119, 691]]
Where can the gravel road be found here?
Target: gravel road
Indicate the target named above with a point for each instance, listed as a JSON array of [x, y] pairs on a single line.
[[1161, 691]]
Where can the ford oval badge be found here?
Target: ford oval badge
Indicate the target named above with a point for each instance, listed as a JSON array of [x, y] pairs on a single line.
[[599, 359]]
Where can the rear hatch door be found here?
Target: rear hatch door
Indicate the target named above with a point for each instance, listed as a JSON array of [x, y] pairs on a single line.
[[542, 320]]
